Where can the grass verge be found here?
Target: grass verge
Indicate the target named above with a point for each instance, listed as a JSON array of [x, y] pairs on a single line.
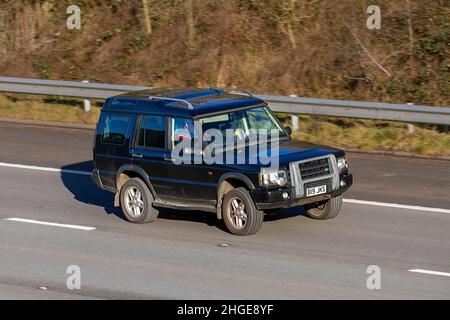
[[48, 109], [369, 135], [364, 135]]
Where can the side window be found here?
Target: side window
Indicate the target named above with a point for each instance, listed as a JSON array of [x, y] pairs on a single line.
[[182, 129], [152, 133], [113, 128]]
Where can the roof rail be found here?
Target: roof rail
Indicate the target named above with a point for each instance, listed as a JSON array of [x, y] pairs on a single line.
[[231, 90], [188, 104]]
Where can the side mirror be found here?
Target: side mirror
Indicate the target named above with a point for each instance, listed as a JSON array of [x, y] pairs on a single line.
[[288, 130]]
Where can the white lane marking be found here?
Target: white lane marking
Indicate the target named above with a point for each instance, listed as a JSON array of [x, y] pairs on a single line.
[[369, 203], [397, 206], [434, 273], [21, 166], [70, 226]]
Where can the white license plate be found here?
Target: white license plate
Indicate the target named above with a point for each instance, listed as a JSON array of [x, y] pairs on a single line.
[[310, 192]]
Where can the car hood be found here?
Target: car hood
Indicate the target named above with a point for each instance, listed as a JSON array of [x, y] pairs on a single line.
[[288, 151]]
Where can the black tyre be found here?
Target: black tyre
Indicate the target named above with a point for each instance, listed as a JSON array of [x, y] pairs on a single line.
[[325, 210], [136, 201], [240, 214]]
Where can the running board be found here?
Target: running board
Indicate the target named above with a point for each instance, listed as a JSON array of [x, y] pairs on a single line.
[[184, 206]]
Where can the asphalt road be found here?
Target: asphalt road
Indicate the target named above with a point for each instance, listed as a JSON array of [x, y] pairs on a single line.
[[180, 255]]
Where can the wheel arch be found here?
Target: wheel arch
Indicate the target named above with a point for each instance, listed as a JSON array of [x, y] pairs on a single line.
[[129, 171], [227, 182]]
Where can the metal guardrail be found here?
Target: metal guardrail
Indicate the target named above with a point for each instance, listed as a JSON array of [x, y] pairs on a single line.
[[64, 88], [362, 110], [290, 105]]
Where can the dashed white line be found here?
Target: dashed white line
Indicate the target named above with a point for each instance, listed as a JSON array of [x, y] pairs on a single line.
[[52, 224], [21, 166], [353, 201], [397, 206], [434, 273]]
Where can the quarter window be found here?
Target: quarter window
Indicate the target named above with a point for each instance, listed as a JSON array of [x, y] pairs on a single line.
[[182, 129], [152, 133], [114, 128]]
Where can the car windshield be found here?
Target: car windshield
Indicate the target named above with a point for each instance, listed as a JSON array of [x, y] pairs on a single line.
[[245, 123]]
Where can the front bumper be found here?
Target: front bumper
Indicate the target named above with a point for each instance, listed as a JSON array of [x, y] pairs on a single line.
[[273, 199]]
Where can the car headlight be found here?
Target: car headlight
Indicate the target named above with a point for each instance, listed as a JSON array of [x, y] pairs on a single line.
[[342, 164], [268, 179]]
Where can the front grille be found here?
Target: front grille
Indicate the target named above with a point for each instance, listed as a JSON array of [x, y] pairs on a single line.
[[314, 169]]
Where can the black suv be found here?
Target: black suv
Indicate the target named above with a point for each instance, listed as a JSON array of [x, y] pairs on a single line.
[[146, 151]]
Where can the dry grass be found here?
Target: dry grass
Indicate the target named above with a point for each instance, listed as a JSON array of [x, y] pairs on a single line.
[[374, 135], [69, 111], [305, 47]]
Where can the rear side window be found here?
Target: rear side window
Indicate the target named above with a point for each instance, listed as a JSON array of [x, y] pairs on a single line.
[[152, 133], [123, 103], [113, 128], [182, 129]]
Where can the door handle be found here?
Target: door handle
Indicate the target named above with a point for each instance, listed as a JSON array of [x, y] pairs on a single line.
[[137, 155]]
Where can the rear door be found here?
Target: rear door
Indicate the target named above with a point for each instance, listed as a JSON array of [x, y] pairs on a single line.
[[149, 151], [113, 137]]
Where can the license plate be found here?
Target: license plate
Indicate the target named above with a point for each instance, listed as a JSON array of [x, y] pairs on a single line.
[[310, 192]]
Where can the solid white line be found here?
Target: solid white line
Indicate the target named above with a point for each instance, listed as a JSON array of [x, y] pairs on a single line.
[[369, 203], [434, 273], [397, 206], [21, 166], [70, 226]]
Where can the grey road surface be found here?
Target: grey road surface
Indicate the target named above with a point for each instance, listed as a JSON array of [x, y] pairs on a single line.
[[179, 256]]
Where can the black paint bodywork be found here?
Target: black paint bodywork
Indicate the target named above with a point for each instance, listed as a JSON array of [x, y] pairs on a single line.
[[195, 186]]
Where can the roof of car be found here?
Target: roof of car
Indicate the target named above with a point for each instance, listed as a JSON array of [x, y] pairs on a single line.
[[181, 102]]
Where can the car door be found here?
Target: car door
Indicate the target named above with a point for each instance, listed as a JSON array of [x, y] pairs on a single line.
[[149, 151], [191, 179], [112, 145]]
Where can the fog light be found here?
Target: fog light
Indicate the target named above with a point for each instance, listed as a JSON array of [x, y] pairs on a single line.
[[285, 195], [343, 183]]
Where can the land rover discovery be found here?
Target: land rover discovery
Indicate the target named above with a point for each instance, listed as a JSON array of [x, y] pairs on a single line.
[[137, 156]]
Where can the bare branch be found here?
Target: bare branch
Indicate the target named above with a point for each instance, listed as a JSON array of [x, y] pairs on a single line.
[[148, 20], [189, 8], [410, 28], [367, 51]]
